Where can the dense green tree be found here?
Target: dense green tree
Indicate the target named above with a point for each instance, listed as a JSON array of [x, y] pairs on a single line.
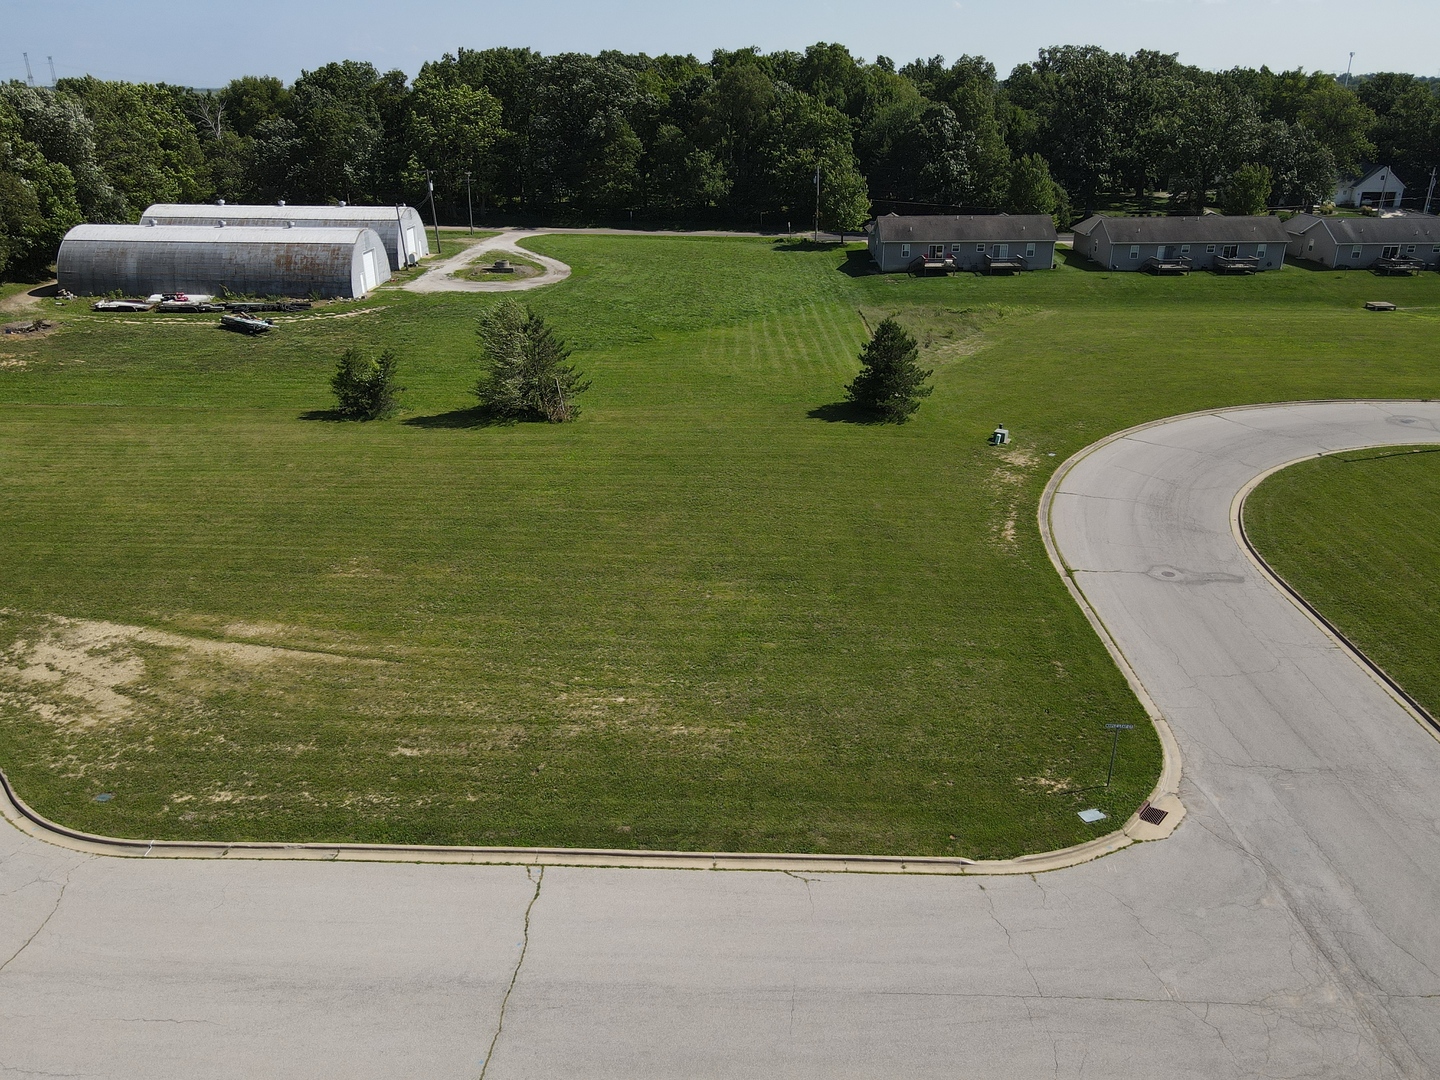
[[145, 144], [1213, 131], [1302, 171], [328, 146], [891, 383], [364, 386], [56, 125], [584, 151], [1406, 132], [1246, 191], [1032, 191], [452, 129], [526, 372]]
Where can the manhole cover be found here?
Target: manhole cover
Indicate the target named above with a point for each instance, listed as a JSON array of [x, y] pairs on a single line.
[[1153, 814]]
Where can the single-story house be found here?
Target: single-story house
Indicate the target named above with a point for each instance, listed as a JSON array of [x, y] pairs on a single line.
[[139, 260], [1000, 243], [1362, 242], [1378, 186], [399, 226], [1180, 244]]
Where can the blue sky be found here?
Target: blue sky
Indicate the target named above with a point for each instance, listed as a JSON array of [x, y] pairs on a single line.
[[185, 43]]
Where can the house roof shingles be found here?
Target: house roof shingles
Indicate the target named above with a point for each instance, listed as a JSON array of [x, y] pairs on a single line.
[[961, 228], [1208, 229], [1402, 229]]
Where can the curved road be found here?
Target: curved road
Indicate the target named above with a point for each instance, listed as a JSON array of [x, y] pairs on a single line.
[[1286, 929]]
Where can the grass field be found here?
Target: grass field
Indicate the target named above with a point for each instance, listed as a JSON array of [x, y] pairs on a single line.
[[1359, 535], [711, 614]]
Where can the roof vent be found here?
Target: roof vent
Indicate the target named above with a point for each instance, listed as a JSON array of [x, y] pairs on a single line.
[[219, 202], [148, 221], [280, 203], [220, 224], [289, 224], [344, 203]]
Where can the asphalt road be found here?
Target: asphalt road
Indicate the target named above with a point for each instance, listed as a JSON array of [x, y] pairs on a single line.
[[1286, 929]]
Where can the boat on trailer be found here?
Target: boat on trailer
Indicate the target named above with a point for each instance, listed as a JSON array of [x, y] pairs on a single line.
[[246, 324]]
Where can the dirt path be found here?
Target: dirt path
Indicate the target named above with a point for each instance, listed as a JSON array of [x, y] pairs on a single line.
[[22, 301]]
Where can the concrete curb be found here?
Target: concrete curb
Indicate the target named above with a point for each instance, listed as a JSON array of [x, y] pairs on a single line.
[[1376, 672], [1164, 796]]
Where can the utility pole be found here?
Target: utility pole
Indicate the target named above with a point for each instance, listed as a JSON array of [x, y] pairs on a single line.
[[29, 76], [1430, 194], [1347, 70], [468, 203], [430, 186], [53, 79]]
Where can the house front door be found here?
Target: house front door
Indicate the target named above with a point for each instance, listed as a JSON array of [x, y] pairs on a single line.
[[1002, 251], [1166, 252], [1390, 251], [937, 250]]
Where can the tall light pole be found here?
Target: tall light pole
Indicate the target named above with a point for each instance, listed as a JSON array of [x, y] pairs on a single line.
[[430, 186], [1431, 193], [470, 205], [1347, 70]]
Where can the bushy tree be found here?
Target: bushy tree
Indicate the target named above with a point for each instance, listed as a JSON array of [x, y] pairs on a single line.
[[891, 383], [526, 371], [1031, 189], [365, 386], [1247, 191]]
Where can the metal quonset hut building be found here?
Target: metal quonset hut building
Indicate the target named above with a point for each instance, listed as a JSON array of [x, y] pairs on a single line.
[[143, 259], [399, 226]]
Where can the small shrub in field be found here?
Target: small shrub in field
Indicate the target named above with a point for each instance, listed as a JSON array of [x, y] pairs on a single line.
[[526, 370], [891, 384], [364, 386]]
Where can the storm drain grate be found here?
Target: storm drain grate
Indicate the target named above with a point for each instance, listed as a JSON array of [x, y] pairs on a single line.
[[1153, 814]]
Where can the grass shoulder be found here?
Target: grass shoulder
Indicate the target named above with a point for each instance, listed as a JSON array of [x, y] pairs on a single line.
[[1358, 535]]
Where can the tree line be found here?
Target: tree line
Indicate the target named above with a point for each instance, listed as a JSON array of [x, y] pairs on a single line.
[[736, 139]]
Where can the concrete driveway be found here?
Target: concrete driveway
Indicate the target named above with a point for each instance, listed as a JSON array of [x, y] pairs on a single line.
[[1286, 929]]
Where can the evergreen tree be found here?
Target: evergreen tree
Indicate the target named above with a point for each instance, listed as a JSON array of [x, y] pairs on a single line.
[[891, 384], [527, 374], [364, 386]]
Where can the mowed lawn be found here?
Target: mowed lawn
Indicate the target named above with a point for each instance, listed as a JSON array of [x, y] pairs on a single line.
[[712, 614], [1358, 534]]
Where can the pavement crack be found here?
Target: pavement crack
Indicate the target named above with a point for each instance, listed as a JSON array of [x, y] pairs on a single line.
[[43, 923], [539, 879], [807, 883], [1010, 942]]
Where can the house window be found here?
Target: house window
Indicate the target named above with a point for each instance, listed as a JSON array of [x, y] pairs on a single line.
[[1029, 251], [1410, 249], [1354, 253], [1260, 251], [1134, 251], [955, 248], [1184, 249], [1435, 250], [1209, 249], [980, 248], [904, 251]]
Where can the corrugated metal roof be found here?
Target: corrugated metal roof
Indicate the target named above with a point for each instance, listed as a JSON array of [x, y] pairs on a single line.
[[278, 213], [1402, 229], [212, 234], [960, 228], [1207, 229]]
